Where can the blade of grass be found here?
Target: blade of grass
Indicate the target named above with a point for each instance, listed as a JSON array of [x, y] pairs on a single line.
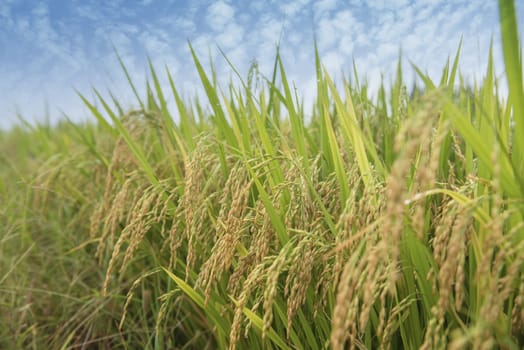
[[128, 77], [223, 128], [297, 123], [196, 297], [99, 117], [184, 139], [259, 324], [513, 63], [482, 150], [351, 131], [133, 146]]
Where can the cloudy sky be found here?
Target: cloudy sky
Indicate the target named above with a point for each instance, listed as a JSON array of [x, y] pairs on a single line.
[[50, 48]]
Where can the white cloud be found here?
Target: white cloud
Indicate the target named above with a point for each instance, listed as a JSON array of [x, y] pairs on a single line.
[[333, 61], [326, 34], [331, 29], [153, 42], [88, 12], [201, 44], [231, 36], [185, 24], [257, 5], [346, 46], [272, 29], [292, 8], [323, 6], [373, 4], [398, 3], [219, 14]]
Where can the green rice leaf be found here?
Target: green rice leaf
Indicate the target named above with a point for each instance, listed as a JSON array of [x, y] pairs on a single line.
[[513, 63], [259, 324]]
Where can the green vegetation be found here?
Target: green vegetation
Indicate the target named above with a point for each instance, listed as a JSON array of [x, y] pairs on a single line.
[[393, 222]]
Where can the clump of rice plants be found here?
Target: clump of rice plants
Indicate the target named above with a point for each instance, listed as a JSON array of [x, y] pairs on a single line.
[[393, 222]]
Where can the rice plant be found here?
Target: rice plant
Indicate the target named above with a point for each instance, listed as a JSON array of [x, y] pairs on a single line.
[[389, 222]]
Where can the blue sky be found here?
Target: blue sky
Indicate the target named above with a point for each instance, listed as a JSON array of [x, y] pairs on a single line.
[[51, 48]]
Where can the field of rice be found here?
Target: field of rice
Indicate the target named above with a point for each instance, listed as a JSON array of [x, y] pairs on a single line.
[[385, 222]]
